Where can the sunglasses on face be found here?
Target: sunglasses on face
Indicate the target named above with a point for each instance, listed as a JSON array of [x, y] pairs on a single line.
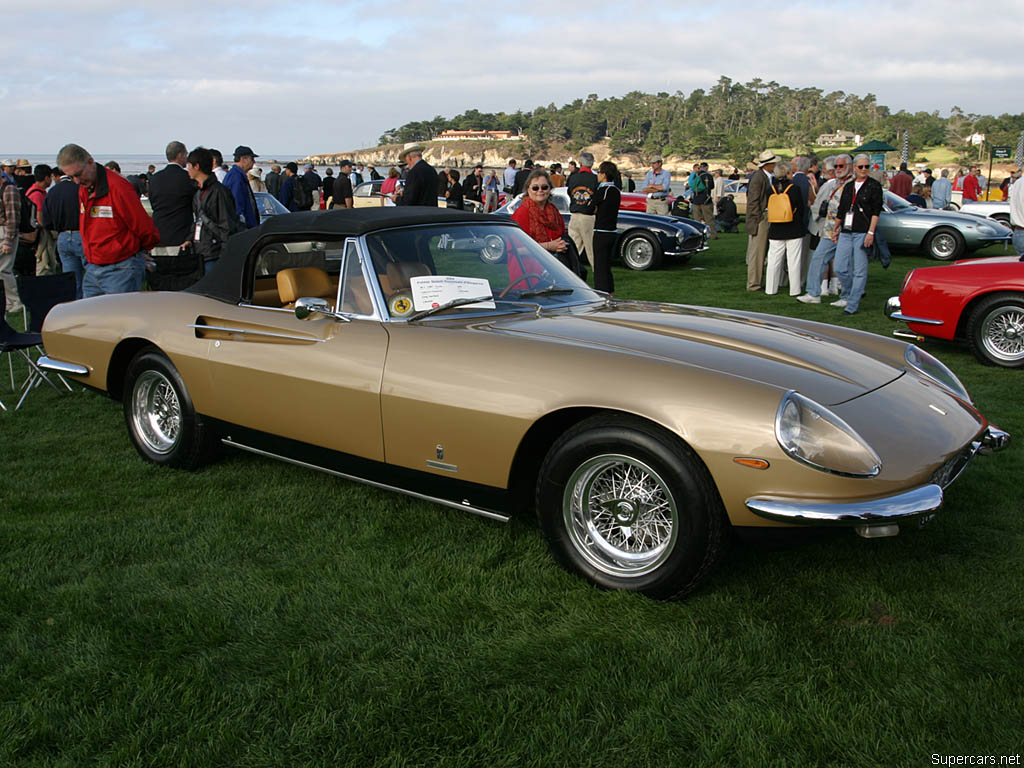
[[539, 189], [863, 166]]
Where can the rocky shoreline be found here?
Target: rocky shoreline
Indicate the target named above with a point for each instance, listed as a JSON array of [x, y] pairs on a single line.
[[466, 154]]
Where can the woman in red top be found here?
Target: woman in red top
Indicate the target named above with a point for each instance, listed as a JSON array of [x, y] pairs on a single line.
[[387, 187], [541, 220]]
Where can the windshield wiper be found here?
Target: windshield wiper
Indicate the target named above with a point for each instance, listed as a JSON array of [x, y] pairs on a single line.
[[549, 291], [448, 305]]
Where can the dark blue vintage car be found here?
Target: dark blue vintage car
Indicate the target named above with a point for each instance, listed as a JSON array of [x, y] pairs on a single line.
[[645, 239]]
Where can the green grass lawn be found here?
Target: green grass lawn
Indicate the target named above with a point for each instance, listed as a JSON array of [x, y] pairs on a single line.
[[258, 614]]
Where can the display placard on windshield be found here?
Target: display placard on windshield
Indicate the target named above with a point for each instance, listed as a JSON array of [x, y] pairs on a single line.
[[432, 291]]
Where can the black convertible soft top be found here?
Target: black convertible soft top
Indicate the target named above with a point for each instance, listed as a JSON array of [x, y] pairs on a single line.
[[227, 280]]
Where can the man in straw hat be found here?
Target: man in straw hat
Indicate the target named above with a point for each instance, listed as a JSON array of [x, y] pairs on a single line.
[[759, 189], [421, 181]]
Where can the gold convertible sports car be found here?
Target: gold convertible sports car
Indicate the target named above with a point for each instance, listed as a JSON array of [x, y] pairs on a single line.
[[447, 355]]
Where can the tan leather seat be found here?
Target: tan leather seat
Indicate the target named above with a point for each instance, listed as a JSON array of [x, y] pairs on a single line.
[[397, 275], [305, 282]]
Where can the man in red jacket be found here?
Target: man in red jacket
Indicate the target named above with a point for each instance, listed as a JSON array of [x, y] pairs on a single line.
[[115, 228]]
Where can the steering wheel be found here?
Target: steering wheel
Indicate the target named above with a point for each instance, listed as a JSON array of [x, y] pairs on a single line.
[[522, 278]]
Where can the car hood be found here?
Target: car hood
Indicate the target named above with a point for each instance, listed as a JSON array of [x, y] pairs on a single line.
[[828, 364]]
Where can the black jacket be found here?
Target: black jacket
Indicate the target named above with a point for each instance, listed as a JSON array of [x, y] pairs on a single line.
[[273, 182], [582, 189], [170, 193], [790, 230], [214, 208], [420, 186], [471, 186], [520, 181], [867, 203]]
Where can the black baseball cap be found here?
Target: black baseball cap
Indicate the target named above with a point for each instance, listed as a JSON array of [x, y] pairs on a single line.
[[241, 151]]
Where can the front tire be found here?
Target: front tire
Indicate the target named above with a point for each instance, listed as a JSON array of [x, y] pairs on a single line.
[[944, 245], [158, 412], [996, 330], [629, 506], [640, 251]]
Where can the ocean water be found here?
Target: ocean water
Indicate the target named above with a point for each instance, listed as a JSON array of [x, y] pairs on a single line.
[[138, 163]]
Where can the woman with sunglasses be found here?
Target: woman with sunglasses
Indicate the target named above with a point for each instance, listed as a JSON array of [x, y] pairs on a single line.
[[859, 208], [538, 216]]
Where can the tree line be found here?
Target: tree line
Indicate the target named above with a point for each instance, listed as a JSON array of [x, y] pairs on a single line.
[[731, 120]]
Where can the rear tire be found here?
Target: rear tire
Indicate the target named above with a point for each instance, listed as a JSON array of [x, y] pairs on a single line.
[[158, 412], [996, 330], [628, 506]]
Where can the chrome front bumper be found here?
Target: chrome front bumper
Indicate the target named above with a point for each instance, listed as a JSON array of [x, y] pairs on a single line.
[[880, 516], [892, 310]]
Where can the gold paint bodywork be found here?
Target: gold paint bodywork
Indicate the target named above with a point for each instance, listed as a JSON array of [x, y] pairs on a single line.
[[395, 391]]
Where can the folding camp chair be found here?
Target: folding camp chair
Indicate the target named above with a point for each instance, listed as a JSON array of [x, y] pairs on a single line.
[[12, 341], [41, 294]]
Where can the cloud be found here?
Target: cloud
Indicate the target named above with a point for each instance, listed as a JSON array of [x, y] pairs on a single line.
[[327, 76]]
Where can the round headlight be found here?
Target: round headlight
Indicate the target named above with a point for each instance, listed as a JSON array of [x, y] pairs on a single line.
[[813, 435], [931, 367], [985, 229]]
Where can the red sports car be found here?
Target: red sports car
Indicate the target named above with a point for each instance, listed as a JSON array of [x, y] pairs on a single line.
[[637, 201], [977, 300]]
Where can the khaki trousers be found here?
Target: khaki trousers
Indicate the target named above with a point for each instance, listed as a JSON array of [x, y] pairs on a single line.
[[657, 205], [46, 253], [706, 212], [581, 230], [757, 246]]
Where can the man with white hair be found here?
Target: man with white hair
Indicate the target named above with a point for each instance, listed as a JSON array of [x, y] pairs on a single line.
[[115, 228], [582, 186]]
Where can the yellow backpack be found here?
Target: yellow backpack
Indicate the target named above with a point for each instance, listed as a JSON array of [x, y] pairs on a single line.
[[780, 207]]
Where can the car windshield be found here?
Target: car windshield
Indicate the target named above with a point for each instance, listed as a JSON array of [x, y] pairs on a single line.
[[897, 203], [268, 205], [423, 268]]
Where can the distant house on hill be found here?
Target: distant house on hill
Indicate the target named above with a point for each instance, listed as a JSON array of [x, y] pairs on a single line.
[[479, 135], [839, 138]]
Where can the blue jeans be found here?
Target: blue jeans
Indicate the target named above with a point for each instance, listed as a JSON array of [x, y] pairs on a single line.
[[1018, 241], [823, 254], [120, 277], [72, 257], [852, 268]]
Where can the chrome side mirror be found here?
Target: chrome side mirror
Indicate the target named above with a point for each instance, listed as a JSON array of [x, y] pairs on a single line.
[[307, 306]]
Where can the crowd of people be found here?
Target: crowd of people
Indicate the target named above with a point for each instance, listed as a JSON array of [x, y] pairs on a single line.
[[810, 224]]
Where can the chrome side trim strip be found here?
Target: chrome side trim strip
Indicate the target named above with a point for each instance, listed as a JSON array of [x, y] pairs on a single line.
[[441, 465], [58, 366], [464, 506], [919, 501], [250, 332], [909, 319]]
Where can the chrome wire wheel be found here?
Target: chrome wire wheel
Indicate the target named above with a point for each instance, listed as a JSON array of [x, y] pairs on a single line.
[[620, 515], [638, 253], [156, 412], [944, 245], [1002, 334]]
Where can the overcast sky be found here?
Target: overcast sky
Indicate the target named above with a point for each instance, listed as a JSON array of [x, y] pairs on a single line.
[[300, 78]]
